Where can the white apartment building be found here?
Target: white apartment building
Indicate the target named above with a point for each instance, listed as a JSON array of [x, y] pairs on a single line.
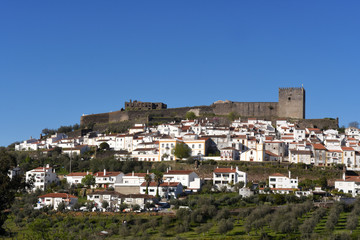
[[75, 178], [54, 199], [41, 177], [188, 179], [348, 184], [280, 182], [228, 177], [107, 179], [166, 190]]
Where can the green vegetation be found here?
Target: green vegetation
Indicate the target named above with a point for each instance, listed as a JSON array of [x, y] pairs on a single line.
[[190, 115], [182, 150]]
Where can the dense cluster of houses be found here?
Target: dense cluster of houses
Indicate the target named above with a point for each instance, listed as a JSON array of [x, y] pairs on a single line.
[[250, 140], [133, 188]]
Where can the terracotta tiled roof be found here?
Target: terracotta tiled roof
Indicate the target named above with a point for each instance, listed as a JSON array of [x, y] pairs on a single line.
[[318, 146], [347, 149], [224, 170], [78, 174], [277, 175], [57, 195]]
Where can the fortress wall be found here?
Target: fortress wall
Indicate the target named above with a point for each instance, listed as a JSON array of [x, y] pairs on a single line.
[[256, 109], [318, 123], [94, 118], [292, 102], [118, 116]]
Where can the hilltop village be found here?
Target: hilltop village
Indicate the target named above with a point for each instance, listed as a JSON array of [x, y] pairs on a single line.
[[187, 168], [251, 140]]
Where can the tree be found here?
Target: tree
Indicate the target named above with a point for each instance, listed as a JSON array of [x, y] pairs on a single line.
[[148, 181], [232, 116], [105, 204], [104, 146], [190, 115], [158, 179], [182, 150], [354, 124], [8, 187], [88, 180]]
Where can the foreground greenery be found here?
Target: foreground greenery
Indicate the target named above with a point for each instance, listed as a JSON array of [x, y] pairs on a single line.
[[209, 215]]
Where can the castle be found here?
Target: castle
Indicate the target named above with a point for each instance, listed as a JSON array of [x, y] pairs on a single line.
[[291, 104]]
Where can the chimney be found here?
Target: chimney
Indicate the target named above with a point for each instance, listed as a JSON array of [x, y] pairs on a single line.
[[147, 171], [289, 174], [132, 173], [237, 168], [104, 171], [87, 172], [167, 170], [47, 165], [231, 167], [344, 175]]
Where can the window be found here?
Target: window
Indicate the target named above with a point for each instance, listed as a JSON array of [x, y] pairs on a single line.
[[272, 179], [152, 190]]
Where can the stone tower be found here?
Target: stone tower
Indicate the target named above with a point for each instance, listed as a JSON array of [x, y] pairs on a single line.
[[291, 103]]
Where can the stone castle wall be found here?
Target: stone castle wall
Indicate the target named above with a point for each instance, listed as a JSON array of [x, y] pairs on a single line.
[[257, 109], [291, 105]]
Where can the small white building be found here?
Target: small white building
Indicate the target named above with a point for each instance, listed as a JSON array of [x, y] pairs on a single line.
[[229, 154], [282, 184], [54, 199], [75, 178], [348, 184], [108, 179], [228, 177], [166, 190], [188, 179], [111, 197], [41, 177]]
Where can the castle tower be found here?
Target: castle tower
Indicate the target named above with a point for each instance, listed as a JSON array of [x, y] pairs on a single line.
[[291, 103]]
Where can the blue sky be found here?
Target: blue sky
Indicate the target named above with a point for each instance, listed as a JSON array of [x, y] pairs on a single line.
[[60, 59]]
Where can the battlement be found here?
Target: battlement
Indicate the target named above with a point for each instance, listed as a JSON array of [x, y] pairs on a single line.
[[291, 104]]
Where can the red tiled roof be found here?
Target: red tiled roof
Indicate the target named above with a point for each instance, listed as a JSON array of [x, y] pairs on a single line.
[[224, 170], [277, 175], [57, 195], [318, 146], [350, 179], [347, 149]]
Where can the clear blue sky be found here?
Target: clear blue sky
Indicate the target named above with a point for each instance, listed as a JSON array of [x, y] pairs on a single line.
[[60, 59]]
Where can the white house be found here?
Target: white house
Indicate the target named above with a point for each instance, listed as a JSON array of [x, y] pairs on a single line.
[[188, 179], [131, 183], [41, 177], [75, 178], [54, 199], [166, 190], [228, 177], [348, 184], [229, 154], [111, 197], [107, 179], [280, 183], [14, 172]]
